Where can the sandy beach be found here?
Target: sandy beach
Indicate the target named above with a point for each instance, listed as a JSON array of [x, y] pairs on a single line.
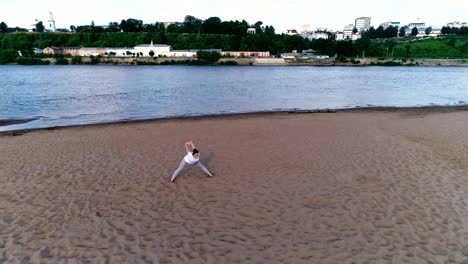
[[345, 187]]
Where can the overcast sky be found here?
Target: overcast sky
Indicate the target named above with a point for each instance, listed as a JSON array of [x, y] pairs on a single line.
[[332, 14]]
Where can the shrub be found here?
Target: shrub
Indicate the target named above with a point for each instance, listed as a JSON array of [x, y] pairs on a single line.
[[209, 57], [76, 60], [94, 60], [31, 61], [8, 56], [229, 62], [387, 63], [451, 42], [61, 61], [342, 59]]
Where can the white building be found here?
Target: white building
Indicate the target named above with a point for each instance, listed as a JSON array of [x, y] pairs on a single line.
[[362, 23], [421, 26], [348, 31], [91, 51], [37, 51], [138, 51], [291, 32], [339, 36], [182, 53], [457, 24], [355, 36], [387, 24], [417, 25], [120, 52], [246, 53], [435, 32], [158, 49], [315, 35], [251, 31]]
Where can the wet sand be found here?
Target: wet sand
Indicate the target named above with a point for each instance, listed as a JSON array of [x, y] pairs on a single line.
[[362, 187]]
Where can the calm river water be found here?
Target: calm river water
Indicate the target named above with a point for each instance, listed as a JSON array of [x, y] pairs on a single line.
[[71, 95]]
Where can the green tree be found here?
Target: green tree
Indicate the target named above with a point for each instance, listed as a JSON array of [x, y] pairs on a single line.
[[391, 44], [8, 56], [344, 48], [151, 53], [113, 27], [192, 24], [40, 27], [391, 32], [463, 31], [160, 27], [428, 30], [211, 25], [414, 31], [380, 32], [76, 60], [465, 48], [131, 25], [3, 27], [269, 30], [208, 57], [61, 61], [355, 30], [258, 27], [72, 28], [361, 45], [371, 33], [445, 30], [402, 31], [173, 28]]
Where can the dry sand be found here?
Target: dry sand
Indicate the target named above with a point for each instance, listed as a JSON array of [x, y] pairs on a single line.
[[362, 187]]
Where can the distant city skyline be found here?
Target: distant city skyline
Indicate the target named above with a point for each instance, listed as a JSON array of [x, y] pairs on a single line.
[[332, 14]]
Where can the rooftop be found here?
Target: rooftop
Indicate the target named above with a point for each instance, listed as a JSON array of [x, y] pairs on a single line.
[[153, 45]]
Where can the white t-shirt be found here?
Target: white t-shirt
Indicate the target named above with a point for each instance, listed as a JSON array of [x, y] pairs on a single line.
[[190, 159]]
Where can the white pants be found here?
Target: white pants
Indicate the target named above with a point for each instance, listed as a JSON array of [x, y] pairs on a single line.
[[182, 165]]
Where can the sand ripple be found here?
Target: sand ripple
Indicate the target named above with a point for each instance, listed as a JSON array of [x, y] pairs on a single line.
[[368, 187]]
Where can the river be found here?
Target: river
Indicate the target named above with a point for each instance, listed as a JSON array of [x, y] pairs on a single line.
[[74, 95]]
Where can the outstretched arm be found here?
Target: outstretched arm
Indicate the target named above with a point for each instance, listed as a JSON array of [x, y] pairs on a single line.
[[191, 143], [187, 144]]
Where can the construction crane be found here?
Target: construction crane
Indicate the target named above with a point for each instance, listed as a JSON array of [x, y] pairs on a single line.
[[52, 22]]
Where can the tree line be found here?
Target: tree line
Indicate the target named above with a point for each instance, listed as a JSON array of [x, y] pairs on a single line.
[[211, 33], [461, 31], [191, 24]]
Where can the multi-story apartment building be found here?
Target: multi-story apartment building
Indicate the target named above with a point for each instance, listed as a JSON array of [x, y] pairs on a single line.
[[362, 23]]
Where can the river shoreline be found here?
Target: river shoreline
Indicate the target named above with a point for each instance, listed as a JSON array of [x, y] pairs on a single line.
[[266, 62], [410, 109]]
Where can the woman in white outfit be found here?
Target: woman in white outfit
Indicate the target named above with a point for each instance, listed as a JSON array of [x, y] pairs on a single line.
[[192, 158]]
